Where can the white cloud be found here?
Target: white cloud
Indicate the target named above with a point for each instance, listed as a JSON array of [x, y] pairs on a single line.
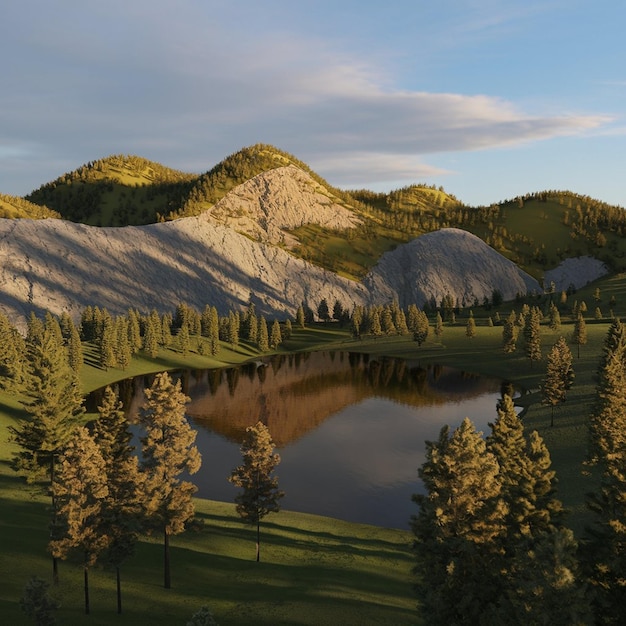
[[188, 83]]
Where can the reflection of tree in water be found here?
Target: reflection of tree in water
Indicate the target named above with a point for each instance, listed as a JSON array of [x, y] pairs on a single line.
[[293, 394]]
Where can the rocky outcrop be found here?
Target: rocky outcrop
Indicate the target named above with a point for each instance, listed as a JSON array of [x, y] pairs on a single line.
[[448, 261], [282, 199], [228, 257]]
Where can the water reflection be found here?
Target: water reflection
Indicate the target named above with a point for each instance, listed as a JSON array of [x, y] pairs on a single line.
[[350, 429]]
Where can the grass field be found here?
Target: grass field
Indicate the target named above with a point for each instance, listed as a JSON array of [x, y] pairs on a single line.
[[314, 570]]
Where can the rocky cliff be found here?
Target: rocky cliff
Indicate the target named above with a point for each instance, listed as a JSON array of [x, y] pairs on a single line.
[[228, 257]]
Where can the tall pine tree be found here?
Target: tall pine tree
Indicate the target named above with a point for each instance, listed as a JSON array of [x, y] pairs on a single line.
[[168, 451]]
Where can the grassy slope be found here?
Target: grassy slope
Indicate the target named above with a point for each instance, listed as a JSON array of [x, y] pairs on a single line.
[[314, 570]]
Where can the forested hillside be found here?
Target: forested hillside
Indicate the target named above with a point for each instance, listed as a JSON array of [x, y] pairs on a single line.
[[536, 231]]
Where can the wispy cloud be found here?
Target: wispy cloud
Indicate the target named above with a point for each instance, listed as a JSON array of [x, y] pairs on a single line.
[[185, 85]]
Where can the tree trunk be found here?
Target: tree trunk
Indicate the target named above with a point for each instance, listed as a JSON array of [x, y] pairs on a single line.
[[258, 540], [166, 560], [55, 561], [86, 576], [119, 590]]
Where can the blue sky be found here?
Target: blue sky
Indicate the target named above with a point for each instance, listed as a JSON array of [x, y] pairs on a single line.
[[488, 98]]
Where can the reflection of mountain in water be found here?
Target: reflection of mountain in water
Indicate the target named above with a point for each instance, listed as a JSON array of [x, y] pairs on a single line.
[[294, 394]]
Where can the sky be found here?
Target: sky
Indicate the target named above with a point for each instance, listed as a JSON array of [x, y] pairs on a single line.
[[490, 99]]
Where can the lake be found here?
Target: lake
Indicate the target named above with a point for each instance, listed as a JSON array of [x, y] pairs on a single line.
[[350, 429]]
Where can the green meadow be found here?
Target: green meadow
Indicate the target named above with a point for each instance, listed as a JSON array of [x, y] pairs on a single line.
[[314, 570]]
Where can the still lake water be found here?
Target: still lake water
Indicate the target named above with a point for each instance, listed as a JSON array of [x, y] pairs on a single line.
[[350, 429]]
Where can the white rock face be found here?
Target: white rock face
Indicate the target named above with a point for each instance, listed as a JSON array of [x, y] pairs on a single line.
[[575, 272], [283, 198], [448, 261], [59, 266]]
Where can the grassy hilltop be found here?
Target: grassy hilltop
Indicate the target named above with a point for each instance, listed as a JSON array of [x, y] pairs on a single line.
[[536, 231]]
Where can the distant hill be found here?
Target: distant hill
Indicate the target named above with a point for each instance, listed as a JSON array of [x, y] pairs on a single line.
[[537, 231], [13, 207]]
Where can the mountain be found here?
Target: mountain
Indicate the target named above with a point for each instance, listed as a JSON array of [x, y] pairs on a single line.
[[262, 226], [59, 265]]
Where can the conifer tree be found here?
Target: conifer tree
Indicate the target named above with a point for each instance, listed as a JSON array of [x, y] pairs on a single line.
[[152, 333], [106, 341], [458, 529], [532, 335], [262, 336], [166, 330], [559, 376], [79, 488], [123, 353], [12, 350], [275, 335], [260, 494], [438, 325], [168, 451], [419, 326], [470, 328], [184, 341], [134, 331], [579, 334], [37, 603], [55, 407], [554, 317], [287, 330], [300, 317], [121, 507], [74, 348], [509, 333]]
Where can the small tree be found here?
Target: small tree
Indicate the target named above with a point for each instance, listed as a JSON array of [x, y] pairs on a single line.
[[168, 451], [559, 376], [323, 311], [203, 617], [470, 327], [80, 488], [579, 335], [509, 333], [37, 604], [260, 494]]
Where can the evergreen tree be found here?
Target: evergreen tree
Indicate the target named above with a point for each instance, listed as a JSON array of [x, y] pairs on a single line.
[[79, 488], [509, 333], [458, 529], [300, 318], [288, 330], [134, 331], [152, 334], [123, 353], [470, 328], [275, 335], [579, 335], [184, 341], [559, 376], [54, 405], [121, 507], [260, 494], [233, 328], [554, 317], [37, 603], [74, 348], [166, 330], [106, 341], [203, 617], [606, 553], [532, 335], [438, 325], [262, 336], [12, 349], [420, 328], [323, 311], [168, 451]]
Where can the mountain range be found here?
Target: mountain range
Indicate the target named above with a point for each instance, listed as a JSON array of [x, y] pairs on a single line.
[[262, 227]]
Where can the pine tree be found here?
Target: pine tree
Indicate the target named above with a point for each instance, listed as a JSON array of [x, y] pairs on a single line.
[[121, 507], [419, 326], [470, 328], [509, 333], [260, 494], [79, 488], [74, 348], [55, 407], [37, 603], [152, 333], [532, 335], [166, 330], [12, 350], [606, 554], [554, 317], [168, 451], [106, 341], [262, 336], [458, 529], [123, 353], [579, 335], [275, 335], [134, 331], [300, 318], [184, 341], [559, 376], [438, 325]]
